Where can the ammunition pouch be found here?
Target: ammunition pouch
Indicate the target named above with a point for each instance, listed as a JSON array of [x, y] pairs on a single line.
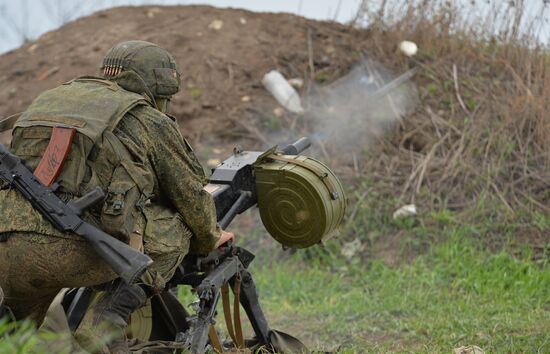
[[120, 208]]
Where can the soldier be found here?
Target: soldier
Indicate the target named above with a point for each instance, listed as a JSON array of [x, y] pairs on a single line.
[[122, 140]]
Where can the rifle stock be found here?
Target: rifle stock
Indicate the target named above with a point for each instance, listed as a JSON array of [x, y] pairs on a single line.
[[128, 263]]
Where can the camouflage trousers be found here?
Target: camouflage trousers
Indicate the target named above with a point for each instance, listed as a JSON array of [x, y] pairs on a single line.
[[35, 267]]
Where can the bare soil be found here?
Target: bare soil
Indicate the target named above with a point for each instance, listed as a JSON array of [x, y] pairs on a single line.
[[477, 145], [218, 67]]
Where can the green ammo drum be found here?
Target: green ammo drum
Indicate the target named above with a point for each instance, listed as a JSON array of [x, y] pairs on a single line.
[[301, 201]]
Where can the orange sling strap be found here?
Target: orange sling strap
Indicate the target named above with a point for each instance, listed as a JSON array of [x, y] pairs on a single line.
[[54, 157]]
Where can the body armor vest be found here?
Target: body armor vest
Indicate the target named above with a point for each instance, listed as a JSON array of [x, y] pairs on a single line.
[[93, 107]]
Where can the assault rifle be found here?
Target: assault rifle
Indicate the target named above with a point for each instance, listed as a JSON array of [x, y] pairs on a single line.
[[128, 263]]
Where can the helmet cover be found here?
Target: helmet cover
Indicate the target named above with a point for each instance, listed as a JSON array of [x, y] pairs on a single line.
[[153, 64]]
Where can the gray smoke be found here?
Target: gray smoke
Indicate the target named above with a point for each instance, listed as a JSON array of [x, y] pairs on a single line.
[[348, 115], [342, 119]]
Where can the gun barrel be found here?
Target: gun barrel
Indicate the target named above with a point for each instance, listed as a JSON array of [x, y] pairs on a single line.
[[297, 147], [235, 209]]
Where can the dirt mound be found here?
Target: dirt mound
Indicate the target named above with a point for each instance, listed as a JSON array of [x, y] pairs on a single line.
[[222, 55], [477, 145]]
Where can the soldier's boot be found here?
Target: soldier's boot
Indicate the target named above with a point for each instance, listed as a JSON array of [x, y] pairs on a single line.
[[113, 311]]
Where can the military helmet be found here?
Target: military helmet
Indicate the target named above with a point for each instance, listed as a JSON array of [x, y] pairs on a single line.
[[153, 64]]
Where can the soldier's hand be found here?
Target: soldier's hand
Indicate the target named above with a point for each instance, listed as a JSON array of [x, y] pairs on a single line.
[[225, 237]]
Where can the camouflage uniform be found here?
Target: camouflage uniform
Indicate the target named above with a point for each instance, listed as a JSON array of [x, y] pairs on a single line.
[[143, 152]]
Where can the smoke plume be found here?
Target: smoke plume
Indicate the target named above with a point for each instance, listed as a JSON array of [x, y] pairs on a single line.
[[345, 117]]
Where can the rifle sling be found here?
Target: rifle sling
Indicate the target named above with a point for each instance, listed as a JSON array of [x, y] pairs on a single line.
[[54, 157], [227, 312], [233, 323], [215, 340], [237, 313]]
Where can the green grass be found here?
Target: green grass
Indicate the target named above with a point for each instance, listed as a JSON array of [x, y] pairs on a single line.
[[453, 296], [456, 294], [447, 284], [451, 279]]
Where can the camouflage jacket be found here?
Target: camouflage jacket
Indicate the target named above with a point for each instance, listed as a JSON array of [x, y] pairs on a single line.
[[155, 157], [179, 177]]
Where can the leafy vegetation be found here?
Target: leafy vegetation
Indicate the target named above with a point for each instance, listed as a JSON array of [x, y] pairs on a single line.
[[22, 338]]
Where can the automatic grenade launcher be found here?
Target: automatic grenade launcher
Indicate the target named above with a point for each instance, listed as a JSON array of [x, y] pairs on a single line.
[[301, 200]]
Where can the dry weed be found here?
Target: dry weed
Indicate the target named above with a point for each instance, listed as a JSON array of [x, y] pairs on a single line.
[[482, 129]]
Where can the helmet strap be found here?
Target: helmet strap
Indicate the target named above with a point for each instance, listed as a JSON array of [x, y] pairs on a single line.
[[162, 104]]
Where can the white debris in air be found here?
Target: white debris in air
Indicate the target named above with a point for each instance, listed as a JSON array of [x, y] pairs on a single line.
[[408, 48], [281, 90]]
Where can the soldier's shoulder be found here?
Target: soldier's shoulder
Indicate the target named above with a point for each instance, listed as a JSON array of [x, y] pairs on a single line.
[[152, 117]]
